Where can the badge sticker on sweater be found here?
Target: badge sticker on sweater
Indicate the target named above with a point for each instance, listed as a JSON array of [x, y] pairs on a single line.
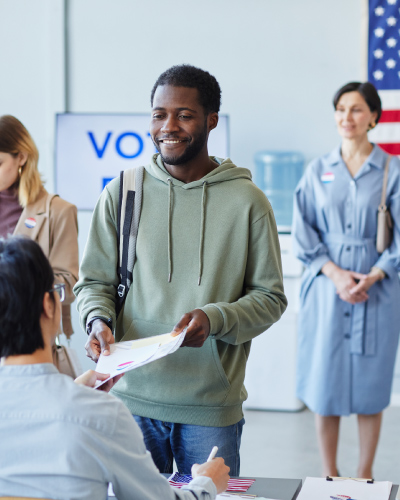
[[327, 177], [30, 222]]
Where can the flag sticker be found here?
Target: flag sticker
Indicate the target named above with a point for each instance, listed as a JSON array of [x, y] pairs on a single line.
[[178, 480], [327, 177], [30, 222]]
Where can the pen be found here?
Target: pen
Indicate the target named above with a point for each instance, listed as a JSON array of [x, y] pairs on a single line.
[[212, 454]]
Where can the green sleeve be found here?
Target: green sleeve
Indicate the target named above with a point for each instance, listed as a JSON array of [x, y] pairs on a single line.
[[98, 279], [263, 301]]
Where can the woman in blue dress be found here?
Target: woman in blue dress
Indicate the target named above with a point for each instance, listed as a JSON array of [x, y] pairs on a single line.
[[350, 295]]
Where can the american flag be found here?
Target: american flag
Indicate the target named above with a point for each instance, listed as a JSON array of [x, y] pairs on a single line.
[[234, 484], [384, 70]]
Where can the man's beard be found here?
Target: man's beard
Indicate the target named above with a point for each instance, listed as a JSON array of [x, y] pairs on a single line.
[[191, 151]]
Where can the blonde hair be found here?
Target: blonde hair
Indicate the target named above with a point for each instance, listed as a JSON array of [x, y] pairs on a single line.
[[15, 139]]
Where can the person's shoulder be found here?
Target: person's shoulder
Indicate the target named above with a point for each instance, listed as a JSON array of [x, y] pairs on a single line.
[[59, 204], [322, 162], [248, 195], [317, 167], [112, 188], [244, 190], [86, 407], [53, 204], [257, 197]]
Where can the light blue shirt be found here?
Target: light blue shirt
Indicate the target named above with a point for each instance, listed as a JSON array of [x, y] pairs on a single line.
[[346, 352], [66, 441]]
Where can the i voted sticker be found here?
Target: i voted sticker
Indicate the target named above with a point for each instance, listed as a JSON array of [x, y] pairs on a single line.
[[328, 177], [30, 222]]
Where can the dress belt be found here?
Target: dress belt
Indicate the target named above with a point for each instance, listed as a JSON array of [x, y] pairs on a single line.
[[345, 239], [364, 317]]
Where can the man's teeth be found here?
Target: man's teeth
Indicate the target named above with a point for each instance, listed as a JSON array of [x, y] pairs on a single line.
[[165, 141]]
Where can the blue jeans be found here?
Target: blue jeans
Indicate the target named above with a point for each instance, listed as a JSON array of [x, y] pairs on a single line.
[[190, 444]]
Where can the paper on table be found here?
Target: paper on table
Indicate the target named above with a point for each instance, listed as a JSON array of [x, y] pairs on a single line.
[[320, 489], [126, 356]]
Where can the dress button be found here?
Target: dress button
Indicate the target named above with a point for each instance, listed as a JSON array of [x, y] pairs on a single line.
[[347, 314], [348, 249], [347, 336], [348, 226]]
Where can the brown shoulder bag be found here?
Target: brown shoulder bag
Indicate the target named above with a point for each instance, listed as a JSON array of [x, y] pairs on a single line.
[[384, 234]]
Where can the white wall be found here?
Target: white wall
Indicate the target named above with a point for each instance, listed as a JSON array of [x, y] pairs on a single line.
[[32, 70], [278, 62]]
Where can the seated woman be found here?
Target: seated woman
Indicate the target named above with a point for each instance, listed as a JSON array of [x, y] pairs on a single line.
[[60, 439]]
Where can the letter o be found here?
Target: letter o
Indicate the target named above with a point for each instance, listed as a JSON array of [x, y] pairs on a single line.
[[118, 145]]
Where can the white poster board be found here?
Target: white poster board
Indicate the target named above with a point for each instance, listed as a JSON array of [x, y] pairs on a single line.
[[92, 149]]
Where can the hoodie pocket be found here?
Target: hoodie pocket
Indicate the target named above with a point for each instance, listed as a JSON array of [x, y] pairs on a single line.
[[218, 364], [188, 377]]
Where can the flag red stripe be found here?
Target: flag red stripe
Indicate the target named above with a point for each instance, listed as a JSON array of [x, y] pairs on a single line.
[[390, 116], [392, 149]]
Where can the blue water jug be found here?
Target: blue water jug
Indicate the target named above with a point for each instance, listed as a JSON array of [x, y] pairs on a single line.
[[277, 174]]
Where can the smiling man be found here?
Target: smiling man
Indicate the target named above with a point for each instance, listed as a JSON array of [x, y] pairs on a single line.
[[207, 252]]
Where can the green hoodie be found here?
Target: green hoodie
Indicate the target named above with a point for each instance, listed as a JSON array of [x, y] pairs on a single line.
[[211, 244]]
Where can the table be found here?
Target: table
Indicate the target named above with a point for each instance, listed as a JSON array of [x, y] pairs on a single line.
[[286, 489], [395, 487], [279, 489]]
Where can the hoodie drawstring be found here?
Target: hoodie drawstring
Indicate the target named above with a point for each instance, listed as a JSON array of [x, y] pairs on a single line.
[[169, 229], [203, 205], [202, 225]]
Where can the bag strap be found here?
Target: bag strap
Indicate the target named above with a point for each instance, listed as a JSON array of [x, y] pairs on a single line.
[[129, 209], [382, 206], [121, 188], [135, 222]]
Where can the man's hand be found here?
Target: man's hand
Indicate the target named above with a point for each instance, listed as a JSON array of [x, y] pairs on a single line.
[[198, 328], [215, 470], [345, 281], [90, 378], [99, 339]]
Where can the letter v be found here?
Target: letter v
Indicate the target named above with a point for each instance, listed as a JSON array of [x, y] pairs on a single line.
[[99, 151]]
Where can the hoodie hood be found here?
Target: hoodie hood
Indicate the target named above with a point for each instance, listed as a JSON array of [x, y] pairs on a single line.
[[226, 171]]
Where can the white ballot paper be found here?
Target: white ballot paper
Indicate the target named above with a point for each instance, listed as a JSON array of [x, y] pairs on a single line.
[[125, 356], [315, 488]]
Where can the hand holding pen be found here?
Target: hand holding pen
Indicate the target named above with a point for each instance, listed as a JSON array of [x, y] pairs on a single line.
[[215, 469]]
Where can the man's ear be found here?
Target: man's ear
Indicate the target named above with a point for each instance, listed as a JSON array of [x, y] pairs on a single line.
[[212, 121], [48, 306]]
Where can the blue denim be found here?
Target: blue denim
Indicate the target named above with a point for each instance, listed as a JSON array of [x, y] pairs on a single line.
[[190, 444]]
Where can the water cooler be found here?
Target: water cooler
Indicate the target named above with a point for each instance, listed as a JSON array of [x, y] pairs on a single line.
[[271, 369]]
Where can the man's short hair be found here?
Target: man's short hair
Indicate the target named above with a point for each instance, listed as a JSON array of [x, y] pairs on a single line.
[[186, 75], [25, 276]]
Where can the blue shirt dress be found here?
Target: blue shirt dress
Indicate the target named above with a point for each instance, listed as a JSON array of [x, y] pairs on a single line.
[[346, 353]]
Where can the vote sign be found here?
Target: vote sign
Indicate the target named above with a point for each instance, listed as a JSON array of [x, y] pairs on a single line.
[[92, 149]]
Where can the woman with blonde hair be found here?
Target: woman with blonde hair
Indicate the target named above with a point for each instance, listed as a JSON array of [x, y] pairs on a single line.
[[26, 208]]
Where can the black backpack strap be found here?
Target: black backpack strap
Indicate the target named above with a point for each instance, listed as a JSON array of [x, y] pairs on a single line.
[[129, 209], [122, 288]]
